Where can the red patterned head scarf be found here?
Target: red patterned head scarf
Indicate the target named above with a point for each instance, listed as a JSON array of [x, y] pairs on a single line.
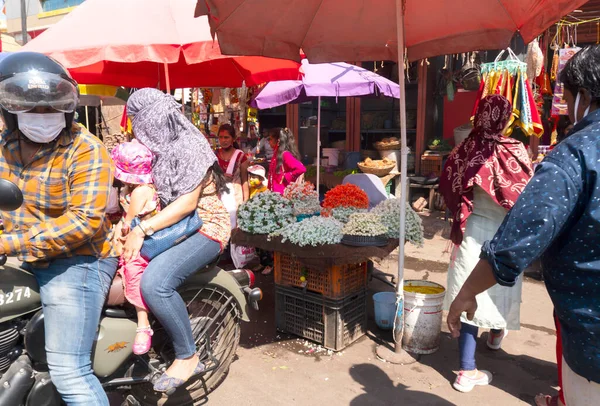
[[498, 164]]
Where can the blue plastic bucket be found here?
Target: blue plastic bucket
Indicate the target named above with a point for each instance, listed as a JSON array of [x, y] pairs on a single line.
[[385, 309]]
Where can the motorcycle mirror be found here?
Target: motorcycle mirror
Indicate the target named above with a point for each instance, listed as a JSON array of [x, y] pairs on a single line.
[[11, 197]]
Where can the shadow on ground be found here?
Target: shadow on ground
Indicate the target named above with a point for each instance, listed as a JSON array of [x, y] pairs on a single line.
[[381, 390], [434, 224]]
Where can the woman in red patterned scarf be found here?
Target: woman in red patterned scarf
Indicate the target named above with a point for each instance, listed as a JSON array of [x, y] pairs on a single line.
[[482, 180]]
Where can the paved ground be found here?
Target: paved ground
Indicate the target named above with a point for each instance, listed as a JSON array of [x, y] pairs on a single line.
[[275, 369]]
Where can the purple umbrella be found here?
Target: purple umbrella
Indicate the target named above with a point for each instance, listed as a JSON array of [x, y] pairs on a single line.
[[337, 79]]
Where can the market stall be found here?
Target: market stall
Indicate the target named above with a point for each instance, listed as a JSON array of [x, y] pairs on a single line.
[[321, 254]]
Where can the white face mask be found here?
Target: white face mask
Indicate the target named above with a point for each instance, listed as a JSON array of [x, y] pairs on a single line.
[[585, 113], [41, 128]]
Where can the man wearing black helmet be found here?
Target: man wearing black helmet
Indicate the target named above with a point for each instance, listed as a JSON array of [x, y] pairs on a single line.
[[60, 232], [557, 218]]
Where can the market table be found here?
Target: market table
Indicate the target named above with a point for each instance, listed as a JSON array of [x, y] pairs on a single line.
[[322, 256]]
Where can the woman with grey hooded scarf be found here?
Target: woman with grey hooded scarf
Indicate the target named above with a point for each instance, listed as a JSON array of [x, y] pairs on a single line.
[[187, 177]]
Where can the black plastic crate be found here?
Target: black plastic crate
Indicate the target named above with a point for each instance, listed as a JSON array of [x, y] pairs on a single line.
[[333, 323]]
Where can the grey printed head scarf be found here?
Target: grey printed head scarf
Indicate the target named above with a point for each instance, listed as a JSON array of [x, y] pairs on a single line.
[[182, 153]]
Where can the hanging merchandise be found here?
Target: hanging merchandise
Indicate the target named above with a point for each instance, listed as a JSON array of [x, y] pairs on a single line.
[[509, 79], [233, 95], [207, 95], [535, 60], [470, 74], [559, 105], [543, 81], [252, 114]]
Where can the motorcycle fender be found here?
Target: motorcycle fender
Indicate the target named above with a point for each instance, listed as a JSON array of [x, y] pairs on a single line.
[[217, 276]]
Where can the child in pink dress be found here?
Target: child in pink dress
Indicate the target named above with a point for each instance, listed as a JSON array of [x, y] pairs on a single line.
[[133, 165]]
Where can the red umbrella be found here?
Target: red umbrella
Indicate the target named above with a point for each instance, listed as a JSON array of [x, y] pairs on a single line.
[[133, 43]]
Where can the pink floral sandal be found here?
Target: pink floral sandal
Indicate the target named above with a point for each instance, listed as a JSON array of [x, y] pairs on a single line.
[[143, 347]]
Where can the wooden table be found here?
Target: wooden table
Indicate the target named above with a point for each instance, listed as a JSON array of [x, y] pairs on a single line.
[[432, 189]]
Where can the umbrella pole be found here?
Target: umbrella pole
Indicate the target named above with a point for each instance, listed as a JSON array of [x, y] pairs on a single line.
[[398, 355], [87, 118], [167, 80], [318, 143]]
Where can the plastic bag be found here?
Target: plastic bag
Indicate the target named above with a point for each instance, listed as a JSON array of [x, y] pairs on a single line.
[[242, 255]]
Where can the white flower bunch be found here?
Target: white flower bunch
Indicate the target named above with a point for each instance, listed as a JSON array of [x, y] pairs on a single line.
[[264, 213], [365, 224], [343, 213], [303, 196], [313, 231], [306, 206], [389, 210]]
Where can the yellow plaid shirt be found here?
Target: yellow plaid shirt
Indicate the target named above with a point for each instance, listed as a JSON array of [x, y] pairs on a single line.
[[65, 191]]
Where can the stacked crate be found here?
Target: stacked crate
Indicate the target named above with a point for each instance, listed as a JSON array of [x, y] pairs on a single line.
[[327, 306]]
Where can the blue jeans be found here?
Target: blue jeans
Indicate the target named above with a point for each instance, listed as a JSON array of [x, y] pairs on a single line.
[[467, 344], [73, 292], [165, 273]]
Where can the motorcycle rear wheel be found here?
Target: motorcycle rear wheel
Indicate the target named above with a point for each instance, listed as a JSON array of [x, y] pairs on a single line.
[[203, 305]]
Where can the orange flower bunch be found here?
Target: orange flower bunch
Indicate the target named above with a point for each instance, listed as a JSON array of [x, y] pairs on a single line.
[[346, 196]]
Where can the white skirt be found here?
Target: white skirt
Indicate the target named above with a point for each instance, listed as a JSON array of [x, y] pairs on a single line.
[[499, 307]]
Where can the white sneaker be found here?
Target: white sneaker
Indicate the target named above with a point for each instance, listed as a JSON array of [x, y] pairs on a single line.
[[494, 341], [464, 383]]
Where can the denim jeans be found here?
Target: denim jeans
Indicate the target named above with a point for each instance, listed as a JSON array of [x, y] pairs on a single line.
[[467, 344], [165, 273], [73, 292]]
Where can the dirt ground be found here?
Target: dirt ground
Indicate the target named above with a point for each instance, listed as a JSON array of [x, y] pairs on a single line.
[[277, 369]]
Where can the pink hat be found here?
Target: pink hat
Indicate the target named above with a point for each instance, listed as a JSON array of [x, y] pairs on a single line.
[[133, 163]]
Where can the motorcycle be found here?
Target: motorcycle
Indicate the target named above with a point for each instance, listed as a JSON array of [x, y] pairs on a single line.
[[217, 302]]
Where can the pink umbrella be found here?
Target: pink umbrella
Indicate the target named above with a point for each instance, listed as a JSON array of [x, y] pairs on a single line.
[[150, 43], [363, 30], [338, 79]]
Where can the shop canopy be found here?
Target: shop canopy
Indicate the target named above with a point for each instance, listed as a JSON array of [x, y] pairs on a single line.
[[134, 43]]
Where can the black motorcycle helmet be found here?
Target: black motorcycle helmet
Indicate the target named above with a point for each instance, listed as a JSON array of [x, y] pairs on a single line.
[[29, 80]]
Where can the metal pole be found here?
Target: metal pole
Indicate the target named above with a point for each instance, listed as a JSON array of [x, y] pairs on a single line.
[[318, 143], [24, 21], [403, 180], [167, 80], [398, 355]]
